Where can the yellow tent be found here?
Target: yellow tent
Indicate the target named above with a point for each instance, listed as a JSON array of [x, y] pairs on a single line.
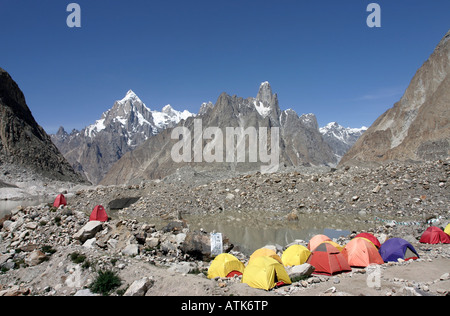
[[265, 273], [295, 255], [223, 265], [265, 252], [447, 229]]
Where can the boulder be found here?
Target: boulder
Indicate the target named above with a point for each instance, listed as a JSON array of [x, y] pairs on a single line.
[[292, 217], [139, 287], [175, 227], [131, 250], [112, 243], [35, 258], [301, 271], [4, 219], [90, 243], [9, 226], [88, 231], [85, 292], [182, 267], [15, 291], [198, 245], [152, 242], [31, 225]]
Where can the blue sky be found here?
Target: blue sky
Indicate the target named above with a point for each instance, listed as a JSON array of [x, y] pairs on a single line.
[[319, 56]]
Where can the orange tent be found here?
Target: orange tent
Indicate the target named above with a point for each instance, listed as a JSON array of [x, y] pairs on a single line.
[[99, 214], [60, 200], [328, 260], [316, 241], [360, 252]]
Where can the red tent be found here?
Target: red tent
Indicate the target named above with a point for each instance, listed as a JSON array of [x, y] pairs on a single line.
[[99, 214], [435, 235], [370, 238], [328, 260], [60, 200]]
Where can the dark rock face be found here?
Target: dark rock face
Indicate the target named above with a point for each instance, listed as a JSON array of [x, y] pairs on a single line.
[[23, 141], [417, 127]]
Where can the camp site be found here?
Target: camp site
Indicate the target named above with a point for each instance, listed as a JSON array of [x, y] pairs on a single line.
[[153, 260]]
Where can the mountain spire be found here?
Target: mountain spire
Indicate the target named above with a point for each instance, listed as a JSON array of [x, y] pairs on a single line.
[[265, 92]]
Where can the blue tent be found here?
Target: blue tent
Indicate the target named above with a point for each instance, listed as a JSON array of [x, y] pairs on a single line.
[[397, 248]]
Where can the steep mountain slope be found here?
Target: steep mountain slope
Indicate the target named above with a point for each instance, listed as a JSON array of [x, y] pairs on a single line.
[[300, 141], [23, 142], [418, 126], [128, 124]]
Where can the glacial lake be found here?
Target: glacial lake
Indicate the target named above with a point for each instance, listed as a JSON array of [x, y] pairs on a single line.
[[250, 231]]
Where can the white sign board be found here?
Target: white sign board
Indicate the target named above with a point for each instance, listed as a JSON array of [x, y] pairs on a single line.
[[216, 244]]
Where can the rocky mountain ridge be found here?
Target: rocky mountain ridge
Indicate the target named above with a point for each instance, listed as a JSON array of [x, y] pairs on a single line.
[[300, 139], [418, 126], [128, 124]]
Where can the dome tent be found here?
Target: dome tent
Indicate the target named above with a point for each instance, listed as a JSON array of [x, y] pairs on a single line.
[[374, 240], [60, 200], [295, 255], [265, 252], [328, 260], [360, 252], [99, 214], [265, 273], [435, 235], [316, 241], [334, 244], [397, 248], [447, 229], [225, 265]]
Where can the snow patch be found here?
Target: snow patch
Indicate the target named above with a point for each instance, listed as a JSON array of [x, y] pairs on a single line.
[[95, 128], [262, 110]]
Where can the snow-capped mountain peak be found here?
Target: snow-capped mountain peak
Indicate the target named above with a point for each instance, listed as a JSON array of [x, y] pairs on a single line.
[[169, 117], [130, 96], [122, 128], [168, 109], [340, 138], [341, 132]]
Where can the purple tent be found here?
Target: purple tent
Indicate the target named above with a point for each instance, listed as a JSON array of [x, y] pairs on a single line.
[[397, 248]]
